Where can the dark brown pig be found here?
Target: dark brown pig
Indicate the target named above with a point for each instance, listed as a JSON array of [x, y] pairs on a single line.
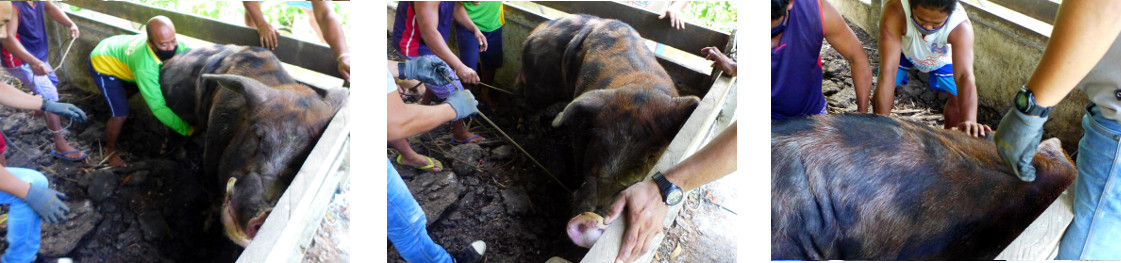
[[259, 123], [869, 187], [626, 108]]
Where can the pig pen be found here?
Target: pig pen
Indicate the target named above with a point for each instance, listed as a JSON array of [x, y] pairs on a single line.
[[914, 101], [490, 191]]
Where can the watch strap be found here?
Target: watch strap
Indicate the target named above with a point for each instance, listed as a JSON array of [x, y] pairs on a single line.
[[664, 186], [1029, 106]]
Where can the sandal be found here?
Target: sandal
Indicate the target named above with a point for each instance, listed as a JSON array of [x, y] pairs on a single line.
[[431, 164], [466, 141]]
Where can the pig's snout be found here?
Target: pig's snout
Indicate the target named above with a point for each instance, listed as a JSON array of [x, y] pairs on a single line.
[[585, 229]]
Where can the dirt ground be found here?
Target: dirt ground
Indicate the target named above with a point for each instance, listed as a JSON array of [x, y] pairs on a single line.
[[160, 209]]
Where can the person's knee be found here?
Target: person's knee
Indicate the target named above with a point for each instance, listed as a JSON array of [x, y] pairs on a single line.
[[30, 176]]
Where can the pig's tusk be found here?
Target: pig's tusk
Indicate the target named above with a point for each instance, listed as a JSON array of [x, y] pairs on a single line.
[[230, 185]]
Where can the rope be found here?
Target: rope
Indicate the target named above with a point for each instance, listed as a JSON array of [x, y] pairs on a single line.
[[60, 61], [61, 130], [517, 145]]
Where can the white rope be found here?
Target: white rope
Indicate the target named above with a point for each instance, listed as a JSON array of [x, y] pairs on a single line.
[[63, 60]]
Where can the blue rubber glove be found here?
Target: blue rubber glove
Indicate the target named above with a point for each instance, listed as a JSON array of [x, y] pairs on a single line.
[[463, 102], [1017, 139], [64, 109], [48, 203], [424, 69]]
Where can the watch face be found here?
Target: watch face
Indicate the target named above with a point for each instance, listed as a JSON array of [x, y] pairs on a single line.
[[674, 197], [1022, 101]]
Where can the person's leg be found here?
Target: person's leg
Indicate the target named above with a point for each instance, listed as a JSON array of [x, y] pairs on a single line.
[[23, 223], [49, 90], [405, 223], [314, 24], [952, 112], [1095, 232], [468, 50], [490, 60], [942, 80], [112, 89], [412, 158]]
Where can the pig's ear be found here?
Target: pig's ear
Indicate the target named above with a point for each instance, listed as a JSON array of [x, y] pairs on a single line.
[[682, 108], [336, 97], [588, 102], [1052, 149], [254, 92]]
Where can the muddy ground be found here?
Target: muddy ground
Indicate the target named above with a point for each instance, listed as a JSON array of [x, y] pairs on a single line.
[[492, 192], [158, 210]]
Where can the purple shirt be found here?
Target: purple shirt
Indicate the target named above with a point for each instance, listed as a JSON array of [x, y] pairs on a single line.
[[796, 64], [32, 32]]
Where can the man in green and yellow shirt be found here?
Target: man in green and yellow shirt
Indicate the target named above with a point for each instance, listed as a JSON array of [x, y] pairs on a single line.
[[133, 61]]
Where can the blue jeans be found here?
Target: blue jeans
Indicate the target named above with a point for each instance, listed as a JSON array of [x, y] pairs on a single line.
[[1095, 233], [405, 225], [23, 222]]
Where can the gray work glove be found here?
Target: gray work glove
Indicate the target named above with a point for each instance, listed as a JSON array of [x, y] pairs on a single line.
[[424, 69], [1017, 139], [48, 203], [64, 109], [463, 102]]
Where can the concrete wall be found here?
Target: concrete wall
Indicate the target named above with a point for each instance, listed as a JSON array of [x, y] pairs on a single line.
[[1005, 55]]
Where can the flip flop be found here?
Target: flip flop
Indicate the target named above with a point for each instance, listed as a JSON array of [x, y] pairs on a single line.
[[64, 157], [468, 140], [431, 164], [3, 221]]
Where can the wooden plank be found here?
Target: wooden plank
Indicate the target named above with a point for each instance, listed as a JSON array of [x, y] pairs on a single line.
[[1040, 241], [691, 39], [284, 232], [685, 143], [1042, 10], [311, 56]]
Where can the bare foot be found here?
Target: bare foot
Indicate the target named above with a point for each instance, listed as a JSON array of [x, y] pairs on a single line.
[[116, 161]]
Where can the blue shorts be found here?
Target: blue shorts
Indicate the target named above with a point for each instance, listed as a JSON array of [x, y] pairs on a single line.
[[469, 48], [113, 90], [300, 4], [40, 85], [941, 79]]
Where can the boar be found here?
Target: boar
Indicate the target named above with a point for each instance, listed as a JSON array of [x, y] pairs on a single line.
[[869, 187], [259, 123], [624, 107]]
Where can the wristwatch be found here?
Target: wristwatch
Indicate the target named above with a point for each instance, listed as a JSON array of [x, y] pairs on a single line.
[[671, 194], [1025, 103]]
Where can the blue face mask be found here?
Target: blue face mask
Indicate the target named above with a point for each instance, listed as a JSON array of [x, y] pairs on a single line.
[[925, 31], [781, 27]]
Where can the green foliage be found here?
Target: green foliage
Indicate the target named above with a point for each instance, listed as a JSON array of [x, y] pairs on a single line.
[[716, 15]]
